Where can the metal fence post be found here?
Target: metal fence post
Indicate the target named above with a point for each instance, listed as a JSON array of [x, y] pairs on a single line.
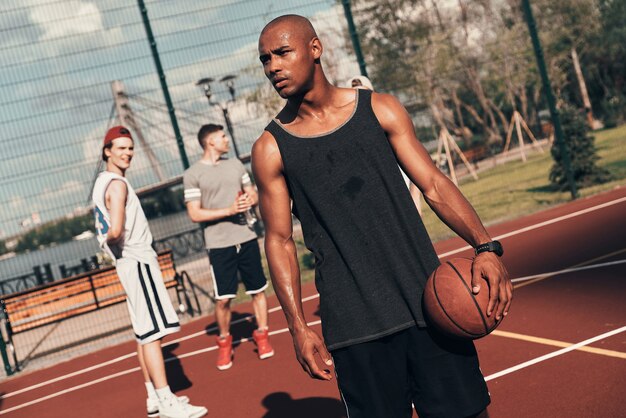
[[347, 10], [3, 347], [554, 113], [166, 92]]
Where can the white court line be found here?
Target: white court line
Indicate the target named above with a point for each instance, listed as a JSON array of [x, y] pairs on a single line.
[[542, 224], [570, 270], [237, 321], [129, 355], [68, 390], [132, 370], [554, 354], [284, 330], [275, 309], [281, 331]]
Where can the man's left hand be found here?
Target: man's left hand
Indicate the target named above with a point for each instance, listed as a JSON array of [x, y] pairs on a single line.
[[487, 265]]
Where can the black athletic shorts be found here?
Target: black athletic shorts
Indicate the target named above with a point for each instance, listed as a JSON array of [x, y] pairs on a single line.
[[439, 376], [226, 262]]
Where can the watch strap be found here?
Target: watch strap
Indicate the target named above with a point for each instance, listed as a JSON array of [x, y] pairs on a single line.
[[491, 246]]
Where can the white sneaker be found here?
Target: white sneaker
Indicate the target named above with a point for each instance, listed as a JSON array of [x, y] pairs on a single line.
[[173, 408], [153, 405]]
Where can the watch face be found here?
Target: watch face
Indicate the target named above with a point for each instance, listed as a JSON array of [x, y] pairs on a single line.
[[497, 248]]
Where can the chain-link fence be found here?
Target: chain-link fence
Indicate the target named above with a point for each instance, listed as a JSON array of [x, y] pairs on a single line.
[[69, 69]]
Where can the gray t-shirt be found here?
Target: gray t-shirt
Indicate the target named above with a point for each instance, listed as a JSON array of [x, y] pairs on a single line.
[[216, 186]]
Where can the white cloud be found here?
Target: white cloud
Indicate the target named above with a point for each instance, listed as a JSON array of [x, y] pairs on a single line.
[[72, 26], [79, 18]]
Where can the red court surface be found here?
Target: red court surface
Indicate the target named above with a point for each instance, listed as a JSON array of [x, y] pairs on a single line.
[[561, 352]]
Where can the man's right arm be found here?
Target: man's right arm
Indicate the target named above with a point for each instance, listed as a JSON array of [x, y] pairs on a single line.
[[115, 201], [280, 249], [195, 210], [199, 214]]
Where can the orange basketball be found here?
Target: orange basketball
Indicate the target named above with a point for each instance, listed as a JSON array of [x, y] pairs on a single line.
[[450, 304]]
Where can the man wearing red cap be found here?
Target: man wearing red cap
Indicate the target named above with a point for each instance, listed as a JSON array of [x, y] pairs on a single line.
[[123, 232]]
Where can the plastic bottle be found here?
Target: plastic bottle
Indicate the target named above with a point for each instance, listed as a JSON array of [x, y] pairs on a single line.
[[249, 215]]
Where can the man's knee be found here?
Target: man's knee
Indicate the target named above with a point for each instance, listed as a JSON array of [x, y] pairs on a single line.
[[223, 303]]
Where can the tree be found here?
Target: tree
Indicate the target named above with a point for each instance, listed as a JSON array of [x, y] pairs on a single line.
[[450, 60], [606, 60], [55, 232], [582, 152]]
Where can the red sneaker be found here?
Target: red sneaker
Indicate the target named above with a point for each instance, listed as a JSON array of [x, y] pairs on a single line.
[[225, 352], [262, 340]]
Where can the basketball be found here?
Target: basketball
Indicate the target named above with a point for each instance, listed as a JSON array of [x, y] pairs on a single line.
[[450, 304]]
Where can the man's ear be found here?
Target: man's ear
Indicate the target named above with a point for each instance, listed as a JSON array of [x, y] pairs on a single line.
[[316, 48]]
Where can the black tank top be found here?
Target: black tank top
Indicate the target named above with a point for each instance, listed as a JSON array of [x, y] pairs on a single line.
[[372, 252]]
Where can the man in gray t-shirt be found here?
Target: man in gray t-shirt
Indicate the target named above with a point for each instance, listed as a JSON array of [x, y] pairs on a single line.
[[220, 195]]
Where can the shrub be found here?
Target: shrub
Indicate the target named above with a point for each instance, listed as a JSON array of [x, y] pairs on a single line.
[[582, 153]]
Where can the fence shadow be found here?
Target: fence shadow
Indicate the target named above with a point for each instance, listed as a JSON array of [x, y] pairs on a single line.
[[282, 405]]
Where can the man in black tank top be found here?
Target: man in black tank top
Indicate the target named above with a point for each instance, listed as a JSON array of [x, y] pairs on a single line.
[[331, 157]]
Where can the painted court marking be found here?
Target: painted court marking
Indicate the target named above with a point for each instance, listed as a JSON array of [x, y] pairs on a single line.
[[542, 224], [133, 354], [537, 278], [132, 370], [284, 330], [554, 354], [555, 343], [569, 270], [525, 280], [275, 309]]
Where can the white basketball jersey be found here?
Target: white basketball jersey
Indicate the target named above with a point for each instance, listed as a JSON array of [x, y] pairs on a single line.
[[136, 241]]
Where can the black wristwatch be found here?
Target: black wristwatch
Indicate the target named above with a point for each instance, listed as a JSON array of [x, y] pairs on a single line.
[[493, 247]]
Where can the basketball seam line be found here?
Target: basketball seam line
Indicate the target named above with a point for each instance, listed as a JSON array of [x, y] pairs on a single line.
[[482, 317], [444, 311]]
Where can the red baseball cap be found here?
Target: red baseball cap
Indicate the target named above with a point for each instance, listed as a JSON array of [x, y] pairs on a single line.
[[116, 132]]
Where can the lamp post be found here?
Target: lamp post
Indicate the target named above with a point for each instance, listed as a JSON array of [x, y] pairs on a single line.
[[229, 81]]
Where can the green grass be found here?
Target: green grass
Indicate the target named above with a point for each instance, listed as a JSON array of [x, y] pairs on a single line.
[[512, 190], [517, 189]]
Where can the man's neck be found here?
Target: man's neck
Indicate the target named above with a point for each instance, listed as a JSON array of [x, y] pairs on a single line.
[[315, 103], [115, 169], [212, 156]]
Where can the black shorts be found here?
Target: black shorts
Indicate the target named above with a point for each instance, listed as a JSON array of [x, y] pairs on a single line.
[[382, 378], [227, 262]]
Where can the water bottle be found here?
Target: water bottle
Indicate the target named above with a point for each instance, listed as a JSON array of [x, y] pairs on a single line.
[[249, 215]]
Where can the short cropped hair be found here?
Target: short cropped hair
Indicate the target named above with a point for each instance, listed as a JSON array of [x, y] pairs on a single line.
[[207, 130], [107, 146]]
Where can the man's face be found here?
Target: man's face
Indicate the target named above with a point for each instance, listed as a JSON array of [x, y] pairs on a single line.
[[288, 61], [121, 152], [219, 141]]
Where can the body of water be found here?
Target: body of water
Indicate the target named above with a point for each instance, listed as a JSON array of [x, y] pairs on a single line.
[[70, 253]]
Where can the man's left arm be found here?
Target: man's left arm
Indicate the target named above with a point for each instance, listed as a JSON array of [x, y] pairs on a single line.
[[444, 198]]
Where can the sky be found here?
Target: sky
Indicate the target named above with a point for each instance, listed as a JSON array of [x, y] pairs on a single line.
[[59, 57]]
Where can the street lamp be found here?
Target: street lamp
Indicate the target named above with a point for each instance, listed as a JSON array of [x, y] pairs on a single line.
[[229, 81]]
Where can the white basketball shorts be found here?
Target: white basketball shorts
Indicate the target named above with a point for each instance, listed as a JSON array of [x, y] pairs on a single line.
[[151, 311]]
